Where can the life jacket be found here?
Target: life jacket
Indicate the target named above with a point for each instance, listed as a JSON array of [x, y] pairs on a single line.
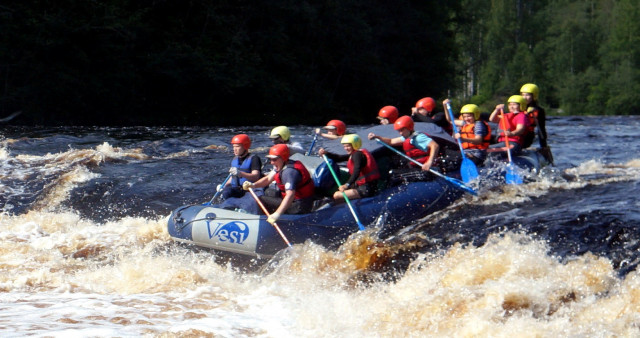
[[511, 125], [413, 151], [367, 174], [532, 116], [244, 167], [467, 131], [305, 188]]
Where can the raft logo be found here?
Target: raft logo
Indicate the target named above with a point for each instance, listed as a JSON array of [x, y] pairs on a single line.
[[233, 232]]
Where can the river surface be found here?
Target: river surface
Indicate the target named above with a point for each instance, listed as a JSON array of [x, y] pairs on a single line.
[[84, 249]]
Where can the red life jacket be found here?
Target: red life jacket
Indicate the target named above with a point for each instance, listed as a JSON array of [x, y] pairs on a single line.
[[414, 152], [510, 125], [467, 132], [305, 188], [369, 172]]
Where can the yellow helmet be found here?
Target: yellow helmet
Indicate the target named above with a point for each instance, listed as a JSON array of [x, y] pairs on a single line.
[[354, 139], [530, 88], [520, 100], [281, 131], [471, 109]]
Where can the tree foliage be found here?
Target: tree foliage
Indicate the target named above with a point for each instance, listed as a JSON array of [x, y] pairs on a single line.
[[217, 62]]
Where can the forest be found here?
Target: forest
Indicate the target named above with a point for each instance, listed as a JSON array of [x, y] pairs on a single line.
[[226, 63]]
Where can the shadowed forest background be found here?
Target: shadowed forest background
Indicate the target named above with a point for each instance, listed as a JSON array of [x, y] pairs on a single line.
[[212, 62]]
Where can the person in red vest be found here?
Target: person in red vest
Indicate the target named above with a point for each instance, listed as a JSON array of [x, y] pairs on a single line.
[[335, 130], [416, 145], [512, 125], [474, 134], [363, 168], [388, 115], [536, 115], [293, 181]]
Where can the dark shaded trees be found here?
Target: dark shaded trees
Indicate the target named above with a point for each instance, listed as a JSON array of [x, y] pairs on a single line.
[[219, 62]]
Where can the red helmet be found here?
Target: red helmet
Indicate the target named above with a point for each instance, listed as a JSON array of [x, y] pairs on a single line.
[[427, 103], [339, 125], [242, 139], [279, 150], [403, 122], [388, 112]]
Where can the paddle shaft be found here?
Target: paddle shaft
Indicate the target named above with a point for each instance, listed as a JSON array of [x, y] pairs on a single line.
[[268, 214], [503, 123], [335, 177], [313, 143], [219, 192], [455, 128], [457, 183]]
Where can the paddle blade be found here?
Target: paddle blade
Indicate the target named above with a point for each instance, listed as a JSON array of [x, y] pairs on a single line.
[[512, 176], [468, 170], [459, 184]]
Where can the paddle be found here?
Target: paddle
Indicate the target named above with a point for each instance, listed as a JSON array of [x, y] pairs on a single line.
[[268, 214], [10, 117], [456, 183], [468, 169], [512, 176], [335, 177], [219, 192], [544, 150], [315, 138]]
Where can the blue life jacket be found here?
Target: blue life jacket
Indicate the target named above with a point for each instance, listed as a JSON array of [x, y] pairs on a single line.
[[244, 167]]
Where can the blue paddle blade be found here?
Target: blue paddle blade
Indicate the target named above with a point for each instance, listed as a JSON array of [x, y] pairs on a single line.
[[512, 176], [468, 170]]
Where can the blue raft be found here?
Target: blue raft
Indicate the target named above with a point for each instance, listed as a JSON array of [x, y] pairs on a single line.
[[391, 209], [248, 234]]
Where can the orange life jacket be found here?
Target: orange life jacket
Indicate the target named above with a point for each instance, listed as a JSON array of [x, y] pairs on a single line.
[[532, 116], [467, 132], [367, 174], [305, 188]]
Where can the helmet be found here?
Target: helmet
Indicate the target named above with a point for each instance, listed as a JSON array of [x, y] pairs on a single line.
[[471, 109], [520, 100], [354, 139], [403, 122], [242, 139], [427, 103], [388, 112], [532, 89], [338, 125], [281, 131], [279, 150]]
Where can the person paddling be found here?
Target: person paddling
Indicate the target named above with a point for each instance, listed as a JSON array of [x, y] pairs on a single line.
[[474, 134], [293, 183], [424, 111], [388, 115], [244, 167], [335, 130], [282, 135], [363, 168], [513, 125], [416, 145]]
